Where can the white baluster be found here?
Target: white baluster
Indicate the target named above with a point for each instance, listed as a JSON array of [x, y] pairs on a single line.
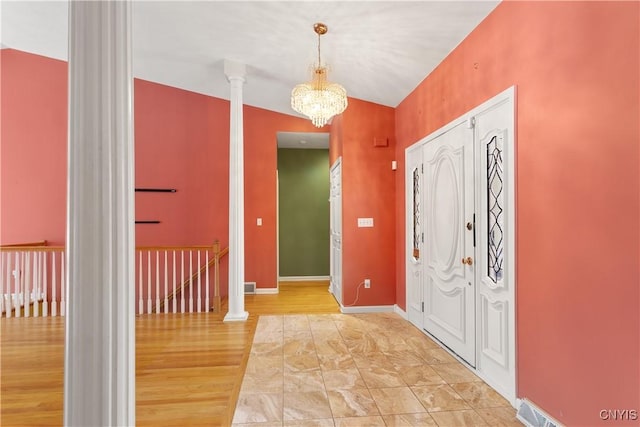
[[190, 281], [206, 280], [174, 301], [26, 295], [157, 282], [63, 284], [17, 303], [45, 282], [10, 280], [181, 281], [199, 285], [148, 282], [54, 285], [166, 283], [35, 293], [5, 265], [140, 300]]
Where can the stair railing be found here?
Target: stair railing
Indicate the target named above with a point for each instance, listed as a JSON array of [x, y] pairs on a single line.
[[169, 279]]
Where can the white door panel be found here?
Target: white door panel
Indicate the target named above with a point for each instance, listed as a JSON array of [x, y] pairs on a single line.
[[449, 203]]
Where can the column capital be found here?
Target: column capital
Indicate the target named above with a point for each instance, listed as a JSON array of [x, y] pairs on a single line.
[[234, 70]]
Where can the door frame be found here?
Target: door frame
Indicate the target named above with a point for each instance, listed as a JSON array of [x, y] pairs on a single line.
[[510, 271]]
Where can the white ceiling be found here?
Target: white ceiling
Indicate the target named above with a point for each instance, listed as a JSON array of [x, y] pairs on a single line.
[[378, 50]]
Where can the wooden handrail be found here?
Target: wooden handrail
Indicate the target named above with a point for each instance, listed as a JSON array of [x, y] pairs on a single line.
[[171, 248], [31, 248], [30, 244], [37, 247]]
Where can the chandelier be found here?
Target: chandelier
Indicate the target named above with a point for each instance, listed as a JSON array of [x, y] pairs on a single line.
[[319, 99]]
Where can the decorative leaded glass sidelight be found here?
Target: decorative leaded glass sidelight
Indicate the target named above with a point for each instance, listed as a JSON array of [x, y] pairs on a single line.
[[495, 203], [416, 213]]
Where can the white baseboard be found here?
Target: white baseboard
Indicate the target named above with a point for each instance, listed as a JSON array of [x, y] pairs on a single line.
[[267, 291], [367, 309], [303, 278], [400, 312]]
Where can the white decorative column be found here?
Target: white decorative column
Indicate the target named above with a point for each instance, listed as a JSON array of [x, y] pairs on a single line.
[[236, 75], [99, 367]]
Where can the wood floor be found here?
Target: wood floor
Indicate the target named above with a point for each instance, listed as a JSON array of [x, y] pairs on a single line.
[[189, 367]]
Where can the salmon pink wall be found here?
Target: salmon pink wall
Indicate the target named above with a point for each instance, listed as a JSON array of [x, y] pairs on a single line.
[[181, 142], [260, 201], [576, 68], [335, 139], [33, 153], [368, 191]]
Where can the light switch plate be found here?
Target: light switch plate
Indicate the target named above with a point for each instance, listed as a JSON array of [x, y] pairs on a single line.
[[365, 222]]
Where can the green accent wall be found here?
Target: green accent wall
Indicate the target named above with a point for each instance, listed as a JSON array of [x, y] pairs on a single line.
[[303, 179]]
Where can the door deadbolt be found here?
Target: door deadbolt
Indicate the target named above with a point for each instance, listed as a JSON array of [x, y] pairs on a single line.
[[469, 226]]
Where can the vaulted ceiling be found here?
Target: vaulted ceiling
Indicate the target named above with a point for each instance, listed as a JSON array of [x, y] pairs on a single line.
[[378, 50]]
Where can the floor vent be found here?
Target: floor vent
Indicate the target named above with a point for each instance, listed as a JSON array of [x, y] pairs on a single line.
[[532, 416], [249, 287]]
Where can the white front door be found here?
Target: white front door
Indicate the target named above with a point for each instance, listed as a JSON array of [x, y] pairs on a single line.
[[335, 225], [415, 236], [465, 273], [449, 282]]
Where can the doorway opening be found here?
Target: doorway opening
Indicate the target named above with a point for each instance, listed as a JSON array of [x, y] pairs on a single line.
[[303, 206]]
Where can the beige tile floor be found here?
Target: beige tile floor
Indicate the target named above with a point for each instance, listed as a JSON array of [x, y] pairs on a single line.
[[359, 370]]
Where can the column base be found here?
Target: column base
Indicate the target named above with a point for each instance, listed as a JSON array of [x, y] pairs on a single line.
[[236, 317]]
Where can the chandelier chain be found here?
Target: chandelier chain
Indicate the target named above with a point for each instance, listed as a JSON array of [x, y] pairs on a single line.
[[319, 64]]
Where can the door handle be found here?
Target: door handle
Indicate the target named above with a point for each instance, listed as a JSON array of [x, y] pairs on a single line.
[[468, 260]]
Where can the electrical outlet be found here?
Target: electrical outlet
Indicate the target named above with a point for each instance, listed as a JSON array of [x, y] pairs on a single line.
[[367, 283]]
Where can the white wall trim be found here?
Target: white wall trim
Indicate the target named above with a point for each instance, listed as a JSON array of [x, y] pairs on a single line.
[[400, 312], [368, 309], [303, 278], [267, 291]]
